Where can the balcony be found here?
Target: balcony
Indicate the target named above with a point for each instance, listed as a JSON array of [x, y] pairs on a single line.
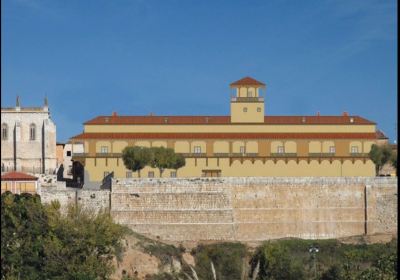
[[109, 155], [193, 154], [221, 154], [99, 155], [243, 155], [79, 154], [283, 154], [359, 155], [321, 154], [247, 99]]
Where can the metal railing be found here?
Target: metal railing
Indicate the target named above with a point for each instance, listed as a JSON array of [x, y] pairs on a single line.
[[194, 154], [283, 154], [221, 154], [79, 154], [247, 99], [359, 155], [108, 154], [321, 154]]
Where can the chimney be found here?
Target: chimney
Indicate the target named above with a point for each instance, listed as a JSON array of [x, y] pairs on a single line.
[[114, 114], [46, 104], [151, 114], [318, 114], [345, 114], [17, 105]]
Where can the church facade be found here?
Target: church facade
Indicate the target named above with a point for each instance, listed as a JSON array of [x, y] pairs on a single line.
[[28, 140], [245, 143]]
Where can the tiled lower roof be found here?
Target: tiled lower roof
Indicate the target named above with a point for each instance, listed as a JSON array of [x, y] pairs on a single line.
[[268, 120], [17, 176], [225, 136], [381, 135]]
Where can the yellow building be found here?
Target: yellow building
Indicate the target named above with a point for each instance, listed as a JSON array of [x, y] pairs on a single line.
[[246, 143], [18, 182]]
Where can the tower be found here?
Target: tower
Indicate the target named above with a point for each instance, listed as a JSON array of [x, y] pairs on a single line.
[[247, 106]]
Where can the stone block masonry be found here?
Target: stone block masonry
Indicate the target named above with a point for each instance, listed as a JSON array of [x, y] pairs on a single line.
[[247, 209], [92, 200]]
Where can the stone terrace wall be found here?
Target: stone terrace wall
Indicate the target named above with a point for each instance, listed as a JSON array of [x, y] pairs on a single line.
[[93, 200], [243, 209], [249, 209], [174, 209]]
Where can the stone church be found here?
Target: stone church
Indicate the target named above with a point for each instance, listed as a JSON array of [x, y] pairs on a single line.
[[28, 139]]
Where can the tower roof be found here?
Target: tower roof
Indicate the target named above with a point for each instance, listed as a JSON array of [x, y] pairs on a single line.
[[247, 81]]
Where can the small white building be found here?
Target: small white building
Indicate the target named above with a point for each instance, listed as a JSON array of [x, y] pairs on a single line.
[[68, 150], [28, 139]]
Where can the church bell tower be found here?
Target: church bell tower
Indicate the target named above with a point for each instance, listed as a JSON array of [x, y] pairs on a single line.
[[247, 106]]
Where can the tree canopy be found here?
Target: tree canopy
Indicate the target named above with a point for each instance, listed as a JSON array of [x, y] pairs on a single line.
[[136, 158], [163, 158], [178, 162], [380, 155], [37, 242]]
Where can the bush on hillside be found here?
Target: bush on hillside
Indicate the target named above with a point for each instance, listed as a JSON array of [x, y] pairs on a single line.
[[37, 242]]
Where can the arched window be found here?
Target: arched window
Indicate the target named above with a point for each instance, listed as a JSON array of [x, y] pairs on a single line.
[[4, 131], [32, 132]]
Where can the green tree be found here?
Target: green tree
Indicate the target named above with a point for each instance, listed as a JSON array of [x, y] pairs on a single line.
[[37, 242], [83, 244], [163, 158], [136, 158], [393, 161], [380, 155], [333, 273], [24, 231], [178, 162], [276, 263], [226, 258]]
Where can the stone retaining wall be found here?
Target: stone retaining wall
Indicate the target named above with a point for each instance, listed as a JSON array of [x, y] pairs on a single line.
[[248, 209]]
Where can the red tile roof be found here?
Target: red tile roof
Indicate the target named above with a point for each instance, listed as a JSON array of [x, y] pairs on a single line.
[[247, 81], [227, 120], [17, 176], [380, 135], [225, 136]]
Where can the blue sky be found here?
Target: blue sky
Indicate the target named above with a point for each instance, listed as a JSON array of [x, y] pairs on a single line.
[[178, 57]]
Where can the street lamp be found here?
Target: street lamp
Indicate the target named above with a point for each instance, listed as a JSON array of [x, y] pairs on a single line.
[[314, 249]]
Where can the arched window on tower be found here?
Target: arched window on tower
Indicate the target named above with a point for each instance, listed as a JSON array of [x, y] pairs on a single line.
[[4, 131], [32, 132]]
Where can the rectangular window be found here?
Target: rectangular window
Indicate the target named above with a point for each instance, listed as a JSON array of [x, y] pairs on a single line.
[[32, 134], [4, 132], [242, 149], [151, 174], [68, 153], [332, 150], [173, 174], [128, 174], [104, 149], [197, 149], [106, 173], [281, 150], [354, 149]]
